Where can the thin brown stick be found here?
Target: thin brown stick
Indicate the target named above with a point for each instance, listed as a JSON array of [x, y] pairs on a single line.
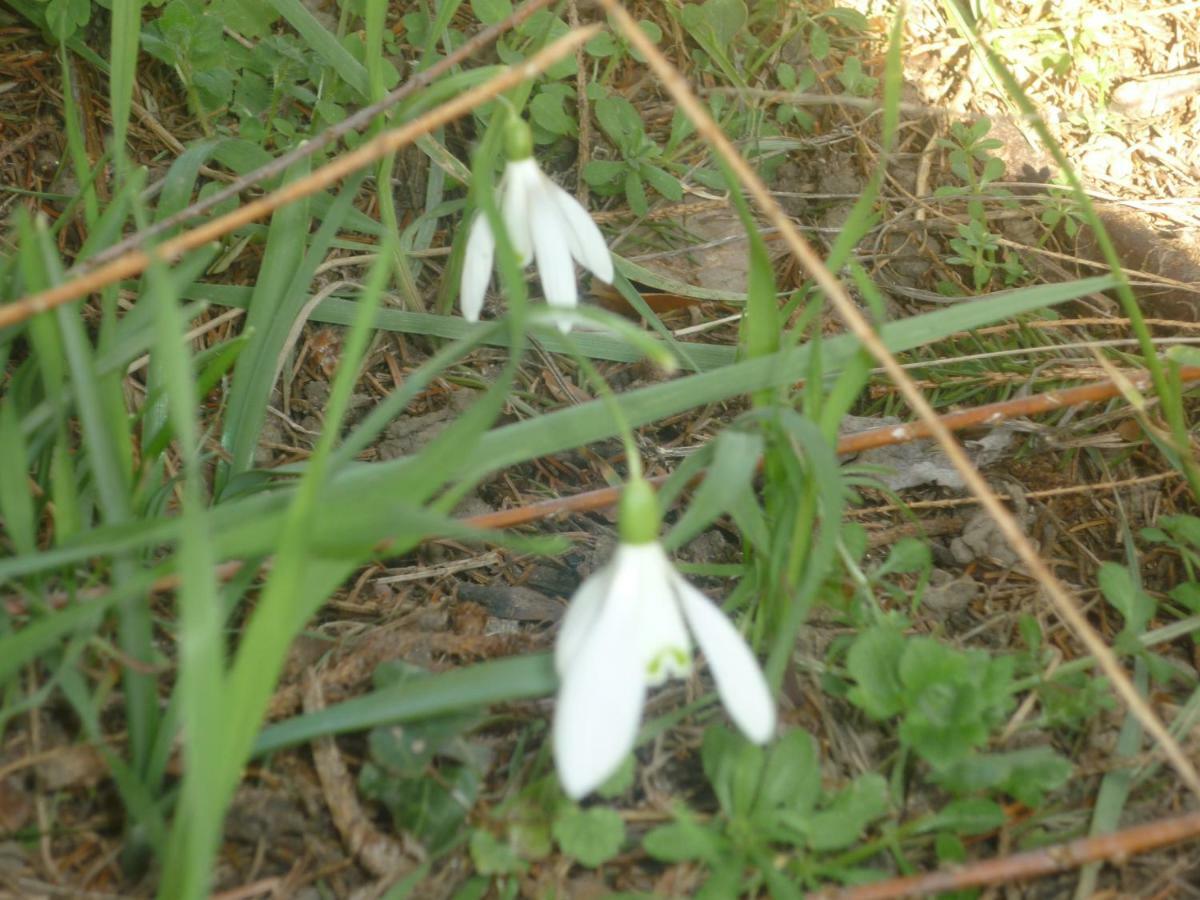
[[888, 435], [863, 512], [995, 413], [379, 852], [356, 122], [1117, 847], [135, 261], [1065, 604]]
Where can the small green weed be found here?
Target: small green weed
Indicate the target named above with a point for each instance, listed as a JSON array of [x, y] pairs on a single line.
[[976, 247]]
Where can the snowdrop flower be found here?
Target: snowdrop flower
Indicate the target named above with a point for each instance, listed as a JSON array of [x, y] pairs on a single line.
[[544, 223], [629, 627]]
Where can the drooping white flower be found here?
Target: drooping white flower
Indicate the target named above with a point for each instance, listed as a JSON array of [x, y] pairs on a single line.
[[629, 627], [544, 223]]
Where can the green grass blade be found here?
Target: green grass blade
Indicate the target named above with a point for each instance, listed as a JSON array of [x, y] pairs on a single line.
[[734, 462], [298, 584], [108, 444], [808, 572], [591, 422], [16, 500], [272, 309], [126, 29], [325, 45], [497, 681], [200, 625], [76, 146], [338, 311]]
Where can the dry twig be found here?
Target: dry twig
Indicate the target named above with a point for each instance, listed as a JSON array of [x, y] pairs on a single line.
[[380, 854], [1118, 846], [888, 435]]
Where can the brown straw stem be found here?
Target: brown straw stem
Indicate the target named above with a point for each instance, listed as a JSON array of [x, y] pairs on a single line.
[[1116, 847], [981, 416]]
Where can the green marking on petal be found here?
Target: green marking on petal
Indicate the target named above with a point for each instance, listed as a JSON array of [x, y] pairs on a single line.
[[668, 661]]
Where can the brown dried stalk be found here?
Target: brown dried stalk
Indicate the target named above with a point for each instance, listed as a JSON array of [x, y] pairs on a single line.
[[885, 436], [995, 413], [1065, 604], [135, 261], [1116, 847]]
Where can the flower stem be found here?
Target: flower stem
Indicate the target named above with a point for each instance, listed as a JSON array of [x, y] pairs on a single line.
[[633, 455]]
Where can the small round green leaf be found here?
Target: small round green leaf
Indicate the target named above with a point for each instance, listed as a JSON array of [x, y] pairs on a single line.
[[592, 836]]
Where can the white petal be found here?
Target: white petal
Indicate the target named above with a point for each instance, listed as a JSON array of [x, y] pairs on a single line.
[[586, 241], [580, 618], [522, 181], [551, 249], [643, 572], [739, 679], [599, 706], [477, 267]]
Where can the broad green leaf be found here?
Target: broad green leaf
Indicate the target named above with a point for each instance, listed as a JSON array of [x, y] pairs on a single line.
[[684, 839], [599, 172], [635, 193], [1028, 774], [791, 777], [874, 663], [489, 12], [546, 109], [1132, 602], [722, 19], [492, 856], [818, 42], [733, 766], [249, 18], [952, 698], [843, 821], [971, 815], [621, 123], [662, 181], [592, 836]]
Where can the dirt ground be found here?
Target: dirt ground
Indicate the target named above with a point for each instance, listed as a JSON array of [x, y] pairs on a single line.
[[1072, 482]]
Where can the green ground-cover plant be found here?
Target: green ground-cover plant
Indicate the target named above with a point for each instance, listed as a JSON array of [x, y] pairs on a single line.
[[976, 247]]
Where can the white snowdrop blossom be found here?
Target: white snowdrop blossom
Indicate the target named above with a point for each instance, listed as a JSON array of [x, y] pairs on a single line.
[[544, 223], [629, 627]]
